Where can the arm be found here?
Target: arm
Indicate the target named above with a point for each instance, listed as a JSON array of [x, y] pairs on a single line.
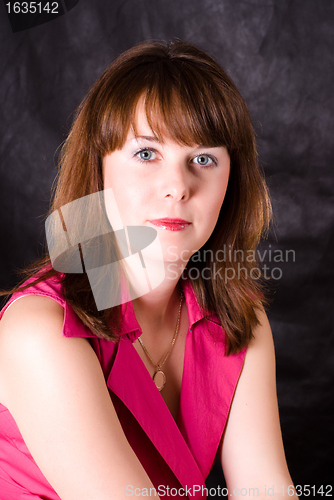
[[55, 389], [252, 453]]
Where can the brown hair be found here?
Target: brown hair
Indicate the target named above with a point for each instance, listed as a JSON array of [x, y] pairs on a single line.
[[188, 96]]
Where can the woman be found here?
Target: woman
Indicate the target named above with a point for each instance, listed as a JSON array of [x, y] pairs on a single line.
[[113, 398]]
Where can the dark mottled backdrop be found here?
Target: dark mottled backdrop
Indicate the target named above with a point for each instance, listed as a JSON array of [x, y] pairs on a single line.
[[281, 55]]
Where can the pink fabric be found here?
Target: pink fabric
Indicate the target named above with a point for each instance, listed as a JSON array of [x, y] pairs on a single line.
[[175, 454]]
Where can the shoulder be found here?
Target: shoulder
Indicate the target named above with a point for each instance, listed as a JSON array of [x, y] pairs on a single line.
[[258, 376], [55, 390], [30, 304], [32, 341], [262, 345], [30, 317], [252, 440]]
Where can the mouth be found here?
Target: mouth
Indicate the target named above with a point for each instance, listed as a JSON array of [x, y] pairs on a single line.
[[171, 224]]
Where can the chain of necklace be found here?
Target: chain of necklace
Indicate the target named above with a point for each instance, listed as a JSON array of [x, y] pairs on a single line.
[[159, 376]]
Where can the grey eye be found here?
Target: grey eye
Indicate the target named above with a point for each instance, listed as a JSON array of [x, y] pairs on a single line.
[[203, 160], [146, 154]]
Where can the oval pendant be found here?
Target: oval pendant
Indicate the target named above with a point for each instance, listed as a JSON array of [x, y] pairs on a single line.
[[159, 379]]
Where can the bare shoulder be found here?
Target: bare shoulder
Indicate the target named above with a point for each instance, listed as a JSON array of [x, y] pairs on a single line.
[[252, 449], [55, 389], [261, 348], [30, 311], [257, 384], [31, 337]]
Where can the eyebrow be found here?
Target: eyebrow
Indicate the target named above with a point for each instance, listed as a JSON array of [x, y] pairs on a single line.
[[155, 139], [146, 138]]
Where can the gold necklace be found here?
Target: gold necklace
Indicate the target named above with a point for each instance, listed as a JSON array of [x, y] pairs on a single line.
[[159, 376]]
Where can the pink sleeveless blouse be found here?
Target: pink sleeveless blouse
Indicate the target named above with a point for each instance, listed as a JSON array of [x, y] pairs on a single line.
[[174, 454]]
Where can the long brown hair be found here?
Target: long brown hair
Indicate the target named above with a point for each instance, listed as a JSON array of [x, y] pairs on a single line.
[[190, 97]]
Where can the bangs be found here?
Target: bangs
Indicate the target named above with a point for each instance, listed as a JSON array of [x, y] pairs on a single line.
[[182, 101]]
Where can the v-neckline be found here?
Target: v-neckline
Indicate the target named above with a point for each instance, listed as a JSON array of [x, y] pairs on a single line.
[[205, 396], [177, 420]]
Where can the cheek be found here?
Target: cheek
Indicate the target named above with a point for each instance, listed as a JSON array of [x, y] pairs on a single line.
[[108, 178], [215, 199], [112, 179], [130, 200], [112, 198]]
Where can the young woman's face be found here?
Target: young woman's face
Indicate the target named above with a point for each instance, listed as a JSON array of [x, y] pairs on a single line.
[[178, 190]]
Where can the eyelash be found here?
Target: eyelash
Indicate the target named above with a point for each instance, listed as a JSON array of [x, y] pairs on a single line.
[[137, 153], [214, 160]]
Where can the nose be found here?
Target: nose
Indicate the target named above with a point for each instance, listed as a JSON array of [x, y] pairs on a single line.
[[175, 194], [176, 182]]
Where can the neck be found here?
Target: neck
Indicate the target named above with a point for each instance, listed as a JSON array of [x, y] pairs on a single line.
[[157, 308]]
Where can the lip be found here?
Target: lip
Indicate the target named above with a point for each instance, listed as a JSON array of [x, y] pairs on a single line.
[[171, 224]]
